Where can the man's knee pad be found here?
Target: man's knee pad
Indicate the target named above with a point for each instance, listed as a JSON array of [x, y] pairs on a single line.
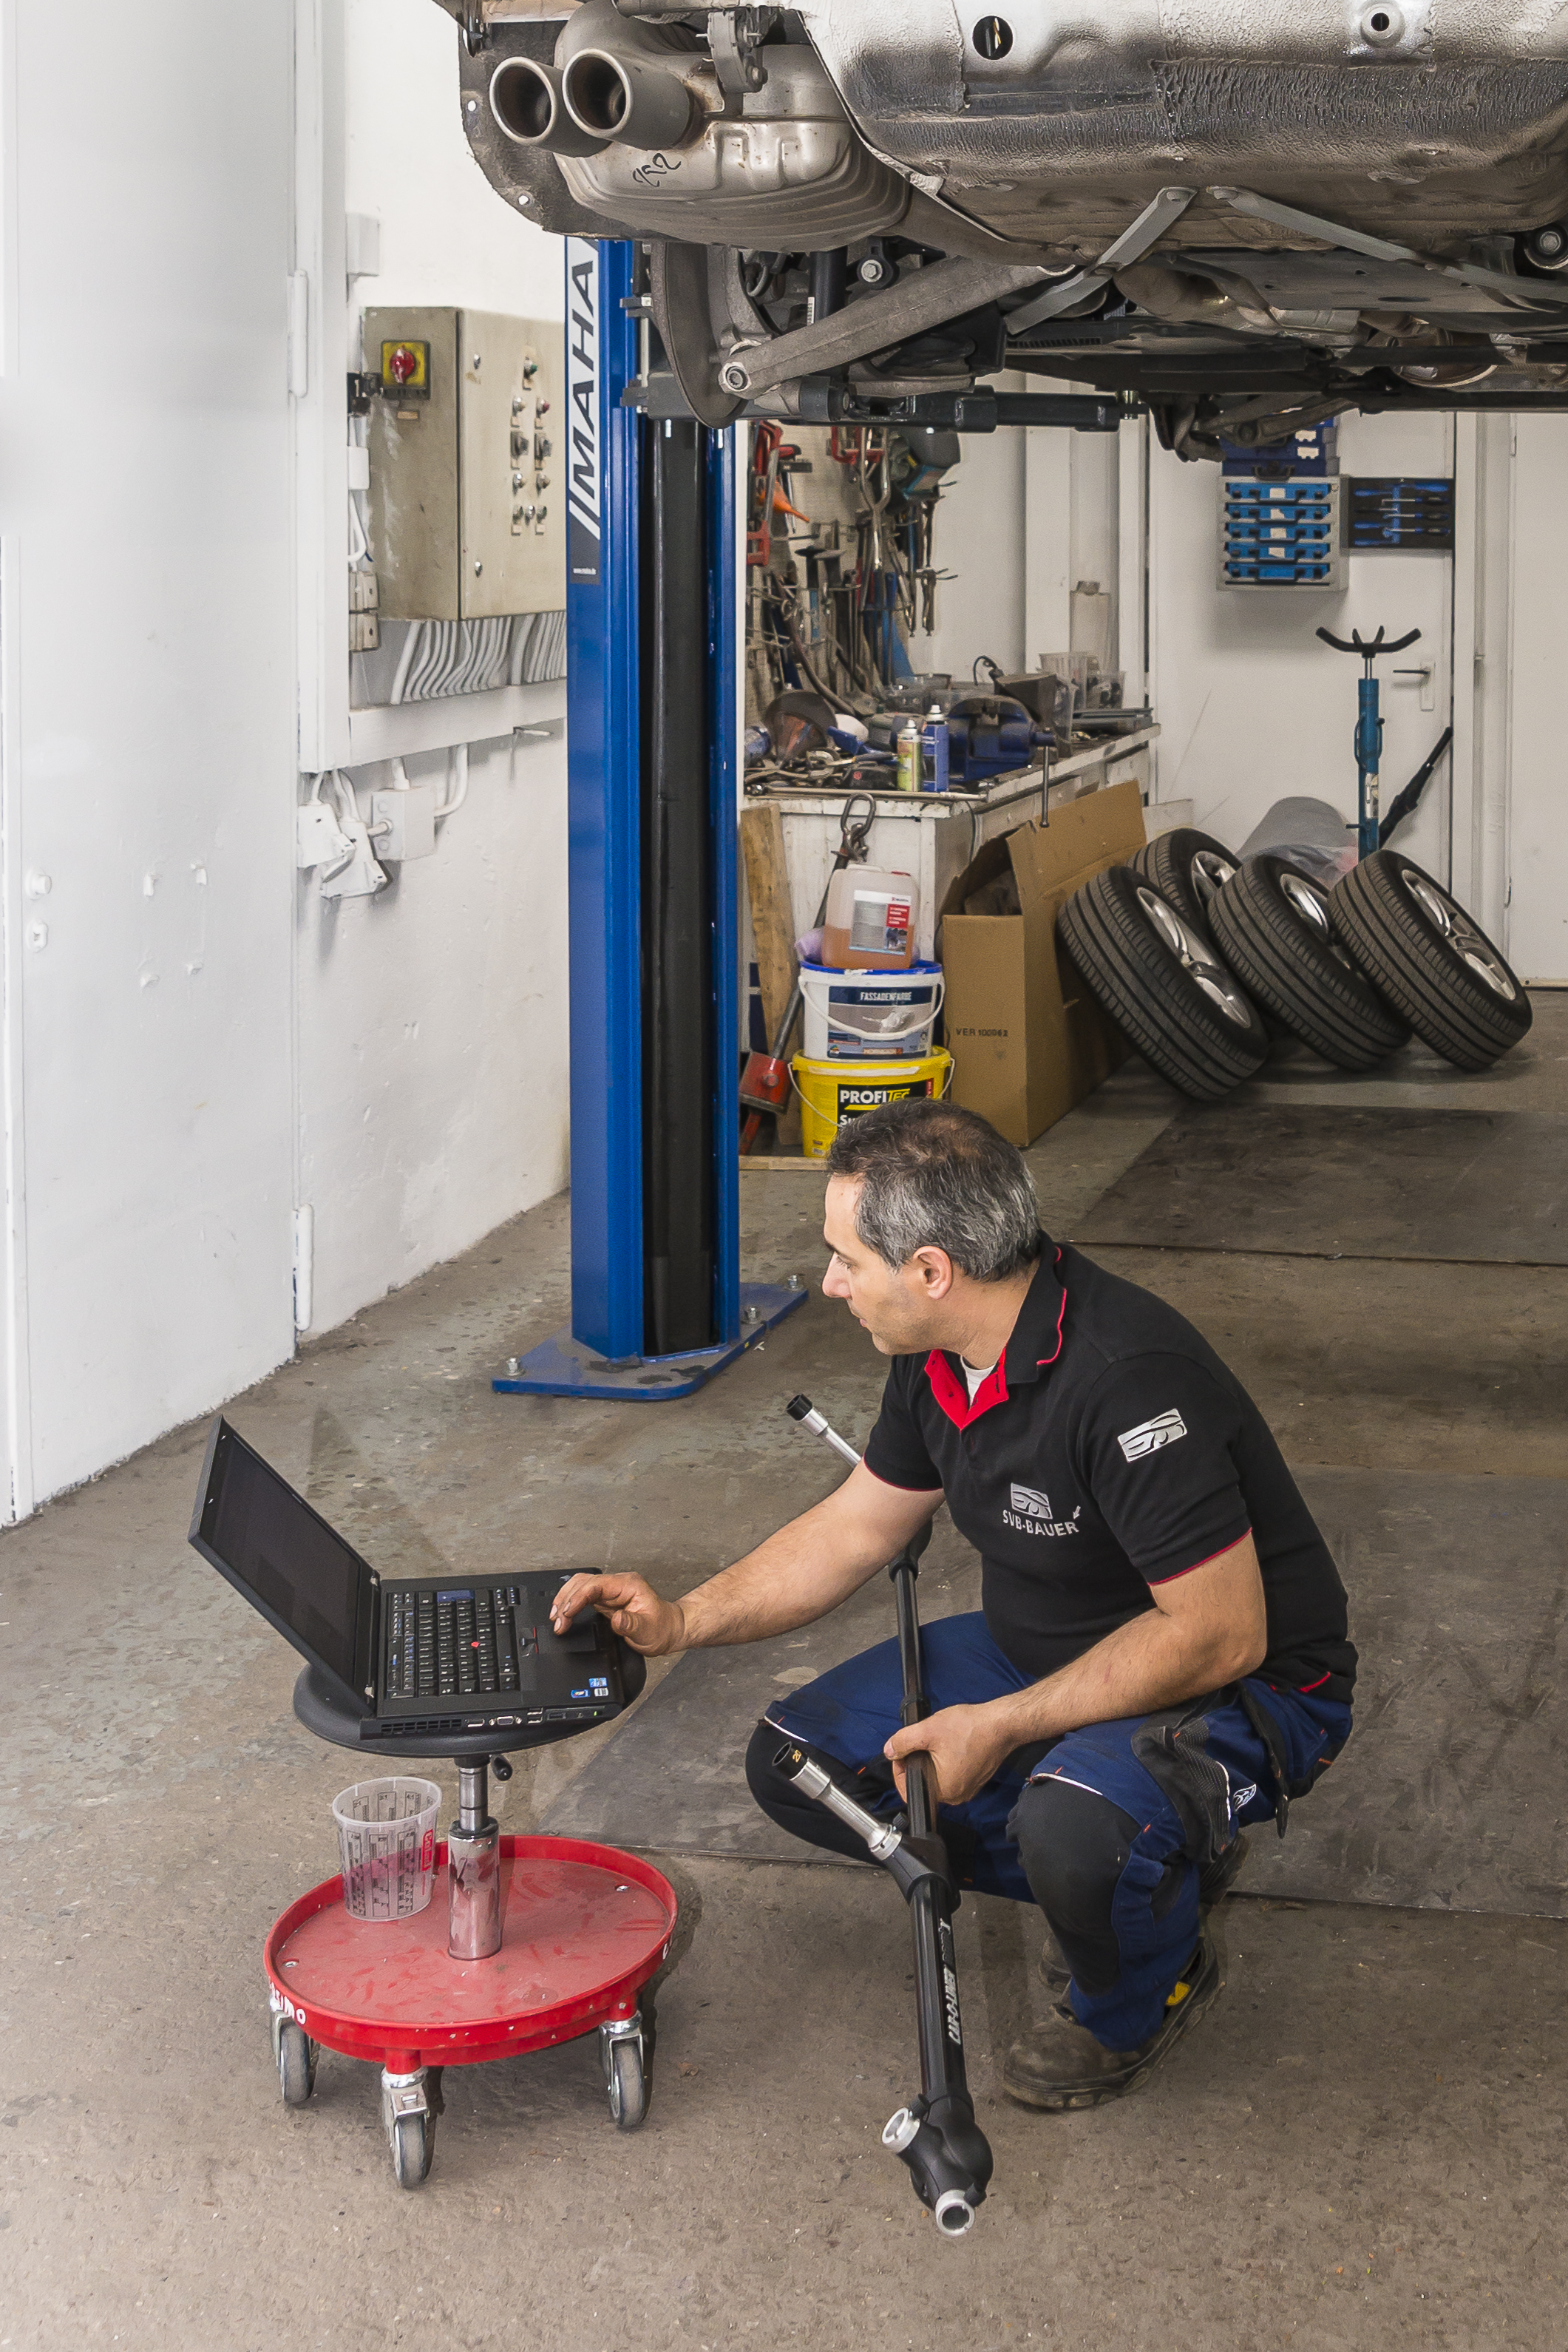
[[1074, 1844], [783, 1802], [768, 1787]]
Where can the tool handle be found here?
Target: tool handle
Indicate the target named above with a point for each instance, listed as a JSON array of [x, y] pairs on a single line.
[[801, 1408]]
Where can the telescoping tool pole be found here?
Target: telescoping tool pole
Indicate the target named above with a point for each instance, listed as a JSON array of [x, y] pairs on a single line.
[[949, 2156]]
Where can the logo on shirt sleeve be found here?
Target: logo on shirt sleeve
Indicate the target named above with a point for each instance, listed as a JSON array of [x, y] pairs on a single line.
[[1149, 1435]]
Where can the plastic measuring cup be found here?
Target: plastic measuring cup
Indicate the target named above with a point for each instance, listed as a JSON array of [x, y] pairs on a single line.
[[386, 1843]]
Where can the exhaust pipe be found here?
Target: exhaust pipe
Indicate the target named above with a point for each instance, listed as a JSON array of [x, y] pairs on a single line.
[[623, 81], [610, 95], [526, 101]]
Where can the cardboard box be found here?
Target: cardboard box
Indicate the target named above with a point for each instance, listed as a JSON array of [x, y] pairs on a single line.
[[1026, 1039]]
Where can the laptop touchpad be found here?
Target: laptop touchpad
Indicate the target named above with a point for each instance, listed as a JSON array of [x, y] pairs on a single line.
[[581, 1638]]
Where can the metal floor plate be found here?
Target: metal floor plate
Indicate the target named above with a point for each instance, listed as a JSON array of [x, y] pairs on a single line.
[[1318, 1180], [1449, 1796]]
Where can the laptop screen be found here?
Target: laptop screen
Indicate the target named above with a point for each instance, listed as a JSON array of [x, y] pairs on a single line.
[[270, 1541]]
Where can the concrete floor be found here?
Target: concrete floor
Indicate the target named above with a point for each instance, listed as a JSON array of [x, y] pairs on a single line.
[[1363, 2146]]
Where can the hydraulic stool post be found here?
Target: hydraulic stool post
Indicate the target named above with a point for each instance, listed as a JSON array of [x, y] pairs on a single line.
[[474, 1866]]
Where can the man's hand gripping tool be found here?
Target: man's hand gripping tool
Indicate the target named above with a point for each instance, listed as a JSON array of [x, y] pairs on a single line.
[[935, 2134]]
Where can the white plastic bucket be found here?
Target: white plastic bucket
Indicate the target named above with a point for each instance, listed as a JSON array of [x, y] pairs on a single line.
[[861, 1016], [386, 1846]]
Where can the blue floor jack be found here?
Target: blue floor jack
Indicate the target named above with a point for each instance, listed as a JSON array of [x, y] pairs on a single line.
[[1368, 727]]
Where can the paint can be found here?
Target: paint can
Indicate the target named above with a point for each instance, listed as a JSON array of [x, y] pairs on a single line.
[[831, 1092]]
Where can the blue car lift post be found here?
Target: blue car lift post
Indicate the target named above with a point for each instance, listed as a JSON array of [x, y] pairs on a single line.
[[657, 1303]]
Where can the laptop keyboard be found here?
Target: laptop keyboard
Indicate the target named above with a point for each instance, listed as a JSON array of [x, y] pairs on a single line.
[[455, 1642]]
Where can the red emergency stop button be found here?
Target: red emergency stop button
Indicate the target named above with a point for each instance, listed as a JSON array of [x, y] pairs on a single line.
[[404, 363]]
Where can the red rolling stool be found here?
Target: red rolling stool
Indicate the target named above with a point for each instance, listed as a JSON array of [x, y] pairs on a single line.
[[541, 1940]]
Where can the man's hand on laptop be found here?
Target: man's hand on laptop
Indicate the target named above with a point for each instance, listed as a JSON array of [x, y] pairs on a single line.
[[647, 1624]]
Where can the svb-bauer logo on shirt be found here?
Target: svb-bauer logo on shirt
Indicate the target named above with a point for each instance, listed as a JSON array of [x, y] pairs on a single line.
[[1031, 1514], [1163, 1430]]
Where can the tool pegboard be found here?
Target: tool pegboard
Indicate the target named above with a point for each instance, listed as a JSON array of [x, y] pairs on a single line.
[[1391, 512], [1285, 534], [1281, 512]]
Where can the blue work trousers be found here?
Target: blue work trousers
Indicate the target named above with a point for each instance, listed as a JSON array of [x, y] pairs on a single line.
[[1118, 1882]]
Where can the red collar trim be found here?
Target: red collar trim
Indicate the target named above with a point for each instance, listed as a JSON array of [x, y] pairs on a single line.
[[952, 1391], [1061, 1322]]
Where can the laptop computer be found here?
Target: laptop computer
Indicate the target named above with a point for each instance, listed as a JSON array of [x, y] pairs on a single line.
[[415, 1656]]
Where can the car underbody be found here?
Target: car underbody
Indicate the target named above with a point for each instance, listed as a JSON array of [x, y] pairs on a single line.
[[1246, 219]]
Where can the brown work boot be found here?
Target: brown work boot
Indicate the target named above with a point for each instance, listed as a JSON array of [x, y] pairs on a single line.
[[1216, 1884], [1054, 1972], [1062, 2065]]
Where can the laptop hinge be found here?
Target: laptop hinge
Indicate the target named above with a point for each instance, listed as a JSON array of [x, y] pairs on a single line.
[[373, 1664]]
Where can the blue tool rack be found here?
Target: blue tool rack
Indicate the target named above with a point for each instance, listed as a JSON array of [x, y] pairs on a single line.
[[1281, 513], [601, 1353], [1390, 513]]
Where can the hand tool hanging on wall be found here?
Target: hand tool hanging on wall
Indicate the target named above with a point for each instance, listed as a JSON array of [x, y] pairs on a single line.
[[948, 2156], [1368, 725], [765, 1080], [1405, 803]]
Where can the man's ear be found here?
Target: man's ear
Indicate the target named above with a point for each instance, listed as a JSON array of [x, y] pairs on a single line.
[[934, 1270]]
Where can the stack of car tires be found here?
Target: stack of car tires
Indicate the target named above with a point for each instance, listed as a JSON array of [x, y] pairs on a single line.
[[1198, 957]]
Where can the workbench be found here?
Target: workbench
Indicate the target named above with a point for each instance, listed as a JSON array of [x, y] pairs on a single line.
[[934, 836]]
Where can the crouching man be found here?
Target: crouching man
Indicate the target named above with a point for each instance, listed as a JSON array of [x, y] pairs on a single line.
[[1162, 1655]]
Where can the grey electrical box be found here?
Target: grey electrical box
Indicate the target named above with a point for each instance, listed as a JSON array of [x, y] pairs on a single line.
[[467, 522]]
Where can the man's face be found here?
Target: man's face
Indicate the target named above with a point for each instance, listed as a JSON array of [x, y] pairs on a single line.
[[903, 1310]]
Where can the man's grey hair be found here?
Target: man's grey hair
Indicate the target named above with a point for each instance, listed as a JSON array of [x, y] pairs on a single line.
[[933, 1176]]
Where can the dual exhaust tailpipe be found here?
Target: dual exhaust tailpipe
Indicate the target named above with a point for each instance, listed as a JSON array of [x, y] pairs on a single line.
[[614, 81]]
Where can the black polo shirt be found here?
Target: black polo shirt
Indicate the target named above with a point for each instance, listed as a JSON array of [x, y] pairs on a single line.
[[1110, 1451]]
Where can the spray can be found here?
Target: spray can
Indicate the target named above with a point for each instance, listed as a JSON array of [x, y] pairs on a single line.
[[934, 750], [907, 745]]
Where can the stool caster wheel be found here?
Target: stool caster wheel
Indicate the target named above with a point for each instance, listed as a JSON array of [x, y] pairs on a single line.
[[411, 2150], [410, 2105], [294, 2054], [297, 2055], [621, 2050]]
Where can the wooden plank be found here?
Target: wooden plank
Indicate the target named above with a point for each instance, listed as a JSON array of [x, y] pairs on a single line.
[[772, 930], [768, 890]]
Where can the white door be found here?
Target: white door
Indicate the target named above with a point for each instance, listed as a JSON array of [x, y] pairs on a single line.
[[1535, 937]]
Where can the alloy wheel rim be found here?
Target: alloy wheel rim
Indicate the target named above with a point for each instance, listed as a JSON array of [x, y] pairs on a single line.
[[1451, 923], [1211, 872], [1196, 957]]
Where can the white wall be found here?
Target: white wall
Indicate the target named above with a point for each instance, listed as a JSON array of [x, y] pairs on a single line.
[[979, 548], [1535, 860], [433, 1045], [1252, 707], [191, 1043], [149, 696], [433, 1061]]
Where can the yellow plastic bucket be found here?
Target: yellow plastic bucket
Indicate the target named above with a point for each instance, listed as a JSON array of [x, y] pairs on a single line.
[[830, 1092]]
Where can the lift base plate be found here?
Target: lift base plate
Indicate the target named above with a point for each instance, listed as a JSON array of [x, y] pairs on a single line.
[[562, 1366]]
